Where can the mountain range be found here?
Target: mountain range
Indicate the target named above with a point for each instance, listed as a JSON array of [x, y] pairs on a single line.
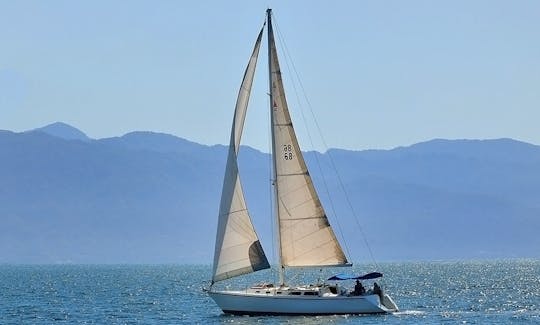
[[148, 197]]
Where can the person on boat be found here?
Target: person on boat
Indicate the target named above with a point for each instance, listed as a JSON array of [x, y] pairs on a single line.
[[359, 288], [377, 290]]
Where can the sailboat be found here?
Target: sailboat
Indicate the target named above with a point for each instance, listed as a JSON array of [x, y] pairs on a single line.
[[304, 235]]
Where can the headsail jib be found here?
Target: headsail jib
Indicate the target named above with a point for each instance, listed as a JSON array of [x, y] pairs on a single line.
[[238, 250]]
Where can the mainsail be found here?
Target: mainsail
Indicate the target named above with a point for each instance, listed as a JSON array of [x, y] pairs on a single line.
[[238, 250], [305, 235]]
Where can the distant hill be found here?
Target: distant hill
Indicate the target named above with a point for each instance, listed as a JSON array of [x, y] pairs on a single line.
[[64, 131], [153, 198]]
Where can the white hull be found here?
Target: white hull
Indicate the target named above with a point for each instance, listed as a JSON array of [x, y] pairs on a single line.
[[246, 303]]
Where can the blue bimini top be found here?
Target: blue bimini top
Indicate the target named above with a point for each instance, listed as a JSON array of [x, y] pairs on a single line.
[[369, 276]]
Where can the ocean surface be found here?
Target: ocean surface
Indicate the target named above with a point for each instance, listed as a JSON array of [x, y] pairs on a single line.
[[468, 292]]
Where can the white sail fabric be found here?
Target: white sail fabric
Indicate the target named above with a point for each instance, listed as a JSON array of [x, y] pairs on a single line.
[[306, 237], [238, 250]]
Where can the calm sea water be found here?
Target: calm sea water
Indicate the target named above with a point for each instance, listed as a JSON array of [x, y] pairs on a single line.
[[495, 292]]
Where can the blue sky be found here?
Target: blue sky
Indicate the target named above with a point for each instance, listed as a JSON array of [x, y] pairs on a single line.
[[378, 74]]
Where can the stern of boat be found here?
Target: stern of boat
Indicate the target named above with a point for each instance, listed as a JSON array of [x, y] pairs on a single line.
[[388, 303]]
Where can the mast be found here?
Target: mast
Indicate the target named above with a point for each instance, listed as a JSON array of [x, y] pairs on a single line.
[[274, 151]]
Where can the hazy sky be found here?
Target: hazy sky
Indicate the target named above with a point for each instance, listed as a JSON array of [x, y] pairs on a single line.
[[378, 74]]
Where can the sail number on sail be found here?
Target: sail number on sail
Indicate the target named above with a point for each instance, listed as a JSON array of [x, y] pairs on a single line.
[[287, 149]]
